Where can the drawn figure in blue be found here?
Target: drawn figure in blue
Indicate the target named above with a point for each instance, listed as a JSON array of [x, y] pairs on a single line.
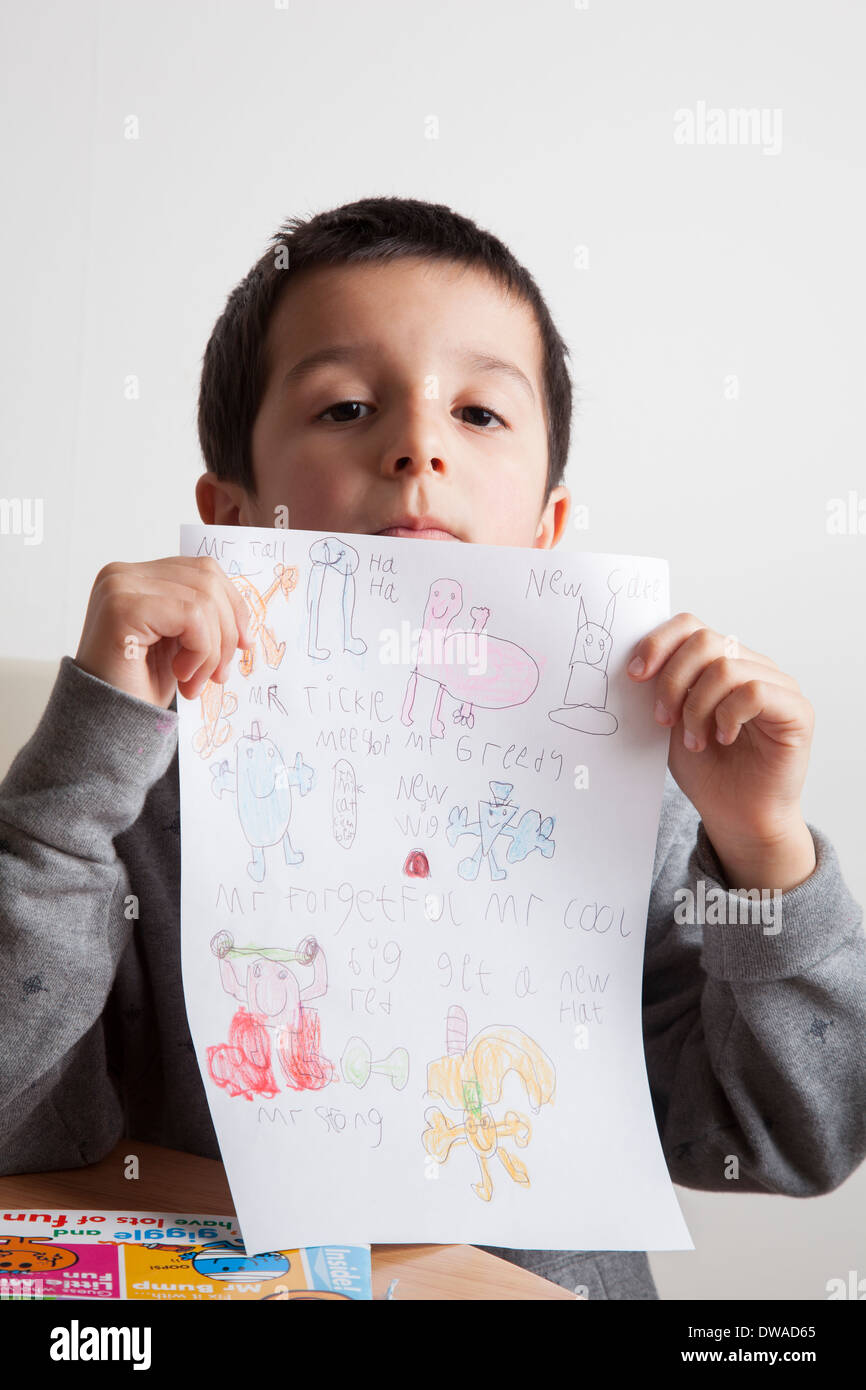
[[494, 822], [342, 559], [227, 1259], [263, 786]]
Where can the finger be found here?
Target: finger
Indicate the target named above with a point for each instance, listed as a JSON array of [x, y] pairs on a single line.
[[715, 684], [785, 715], [225, 598], [185, 613], [205, 573], [192, 666], [206, 580], [238, 607], [168, 610], [659, 645], [682, 671]]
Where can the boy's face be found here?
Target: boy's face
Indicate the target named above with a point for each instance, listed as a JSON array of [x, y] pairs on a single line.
[[405, 425]]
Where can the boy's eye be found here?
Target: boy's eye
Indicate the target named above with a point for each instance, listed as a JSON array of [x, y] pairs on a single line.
[[359, 405], [482, 410], [341, 405]]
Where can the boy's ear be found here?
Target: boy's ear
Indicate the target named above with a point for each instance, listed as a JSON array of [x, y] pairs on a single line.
[[553, 519], [221, 503]]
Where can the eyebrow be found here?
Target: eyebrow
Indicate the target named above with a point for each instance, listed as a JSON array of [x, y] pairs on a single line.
[[338, 354]]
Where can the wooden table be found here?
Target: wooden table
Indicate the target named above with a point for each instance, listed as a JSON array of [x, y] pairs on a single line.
[[171, 1181]]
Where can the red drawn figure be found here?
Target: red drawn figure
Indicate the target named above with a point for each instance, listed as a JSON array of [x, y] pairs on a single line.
[[417, 865], [243, 1064], [274, 1012], [299, 1056]]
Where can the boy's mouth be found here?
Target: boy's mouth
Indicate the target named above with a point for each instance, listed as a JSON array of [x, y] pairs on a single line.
[[427, 528]]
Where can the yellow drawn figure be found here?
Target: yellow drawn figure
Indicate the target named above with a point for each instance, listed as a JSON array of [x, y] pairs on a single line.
[[470, 1079]]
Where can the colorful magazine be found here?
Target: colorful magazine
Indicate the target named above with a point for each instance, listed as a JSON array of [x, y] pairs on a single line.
[[51, 1254]]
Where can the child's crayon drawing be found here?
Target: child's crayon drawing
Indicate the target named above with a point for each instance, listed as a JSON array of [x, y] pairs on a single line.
[[272, 1001], [585, 707], [357, 1064], [217, 704], [344, 804], [285, 580], [469, 1079], [262, 783], [416, 864], [493, 824], [339, 560], [384, 826], [470, 665]]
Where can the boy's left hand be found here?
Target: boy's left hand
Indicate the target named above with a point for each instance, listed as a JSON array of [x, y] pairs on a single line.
[[746, 784]]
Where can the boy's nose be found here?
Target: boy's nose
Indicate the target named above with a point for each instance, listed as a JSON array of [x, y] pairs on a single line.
[[416, 444], [408, 464]]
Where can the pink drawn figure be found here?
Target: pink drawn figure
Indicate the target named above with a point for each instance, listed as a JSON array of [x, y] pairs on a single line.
[[271, 1003], [470, 665]]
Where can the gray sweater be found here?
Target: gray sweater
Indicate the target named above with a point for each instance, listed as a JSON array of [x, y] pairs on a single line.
[[755, 1043]]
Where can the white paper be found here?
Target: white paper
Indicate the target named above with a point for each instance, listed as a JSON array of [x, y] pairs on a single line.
[[410, 1031]]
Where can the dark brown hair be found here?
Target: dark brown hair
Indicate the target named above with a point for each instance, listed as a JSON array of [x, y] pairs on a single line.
[[234, 370]]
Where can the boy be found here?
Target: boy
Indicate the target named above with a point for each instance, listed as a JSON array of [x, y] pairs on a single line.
[[426, 326]]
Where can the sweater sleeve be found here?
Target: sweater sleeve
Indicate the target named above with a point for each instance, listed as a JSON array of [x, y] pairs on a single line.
[[754, 1030], [66, 915]]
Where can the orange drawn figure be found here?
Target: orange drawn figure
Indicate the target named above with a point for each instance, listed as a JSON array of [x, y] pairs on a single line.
[[272, 1001], [217, 704], [470, 1079], [285, 579]]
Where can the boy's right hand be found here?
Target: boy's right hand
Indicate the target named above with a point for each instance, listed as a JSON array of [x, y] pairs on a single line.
[[162, 625]]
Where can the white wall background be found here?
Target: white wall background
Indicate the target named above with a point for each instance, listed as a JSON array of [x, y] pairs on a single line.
[[556, 129]]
